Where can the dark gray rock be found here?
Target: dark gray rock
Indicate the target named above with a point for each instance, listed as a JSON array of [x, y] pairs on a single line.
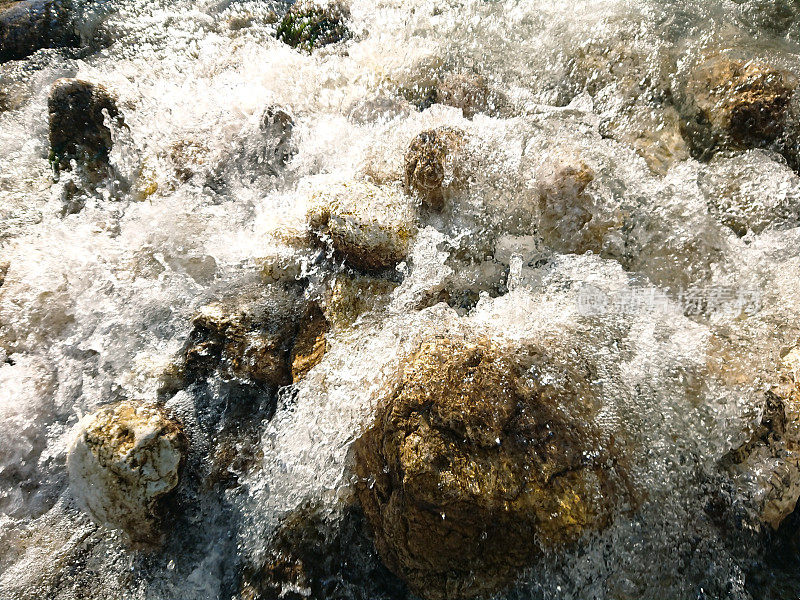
[[30, 25]]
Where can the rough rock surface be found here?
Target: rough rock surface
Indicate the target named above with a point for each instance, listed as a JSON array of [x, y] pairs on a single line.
[[77, 129], [370, 226], [471, 468], [469, 92], [310, 344], [736, 104], [309, 24], [431, 165], [351, 295], [125, 460], [768, 464], [249, 337], [30, 25]]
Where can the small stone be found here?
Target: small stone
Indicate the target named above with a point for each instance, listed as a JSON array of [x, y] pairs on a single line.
[[431, 166], [350, 295], [736, 104], [309, 25], [472, 467], [30, 25], [188, 158], [125, 461], [370, 226], [77, 129]]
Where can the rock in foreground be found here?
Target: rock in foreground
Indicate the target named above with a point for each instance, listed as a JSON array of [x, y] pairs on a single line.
[[126, 459], [431, 166], [471, 469]]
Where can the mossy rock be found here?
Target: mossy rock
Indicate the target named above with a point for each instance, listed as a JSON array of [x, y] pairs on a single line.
[[308, 25]]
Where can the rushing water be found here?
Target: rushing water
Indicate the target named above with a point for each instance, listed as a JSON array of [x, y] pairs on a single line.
[[100, 291]]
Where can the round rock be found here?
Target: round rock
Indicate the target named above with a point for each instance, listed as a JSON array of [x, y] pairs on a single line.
[[122, 465]]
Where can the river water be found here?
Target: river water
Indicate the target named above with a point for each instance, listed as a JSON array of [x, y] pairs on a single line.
[[99, 291]]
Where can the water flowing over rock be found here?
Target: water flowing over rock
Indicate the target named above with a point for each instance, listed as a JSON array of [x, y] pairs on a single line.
[[29, 25], [371, 226], [431, 165], [470, 469], [124, 462], [78, 110]]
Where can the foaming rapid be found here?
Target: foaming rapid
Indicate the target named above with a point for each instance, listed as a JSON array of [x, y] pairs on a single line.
[[591, 208]]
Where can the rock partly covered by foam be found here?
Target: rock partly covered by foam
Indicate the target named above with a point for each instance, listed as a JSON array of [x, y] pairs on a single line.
[[432, 169], [30, 25], [767, 466], [736, 104], [248, 336], [78, 110], [125, 460], [310, 344], [310, 24], [469, 92], [472, 466], [371, 226]]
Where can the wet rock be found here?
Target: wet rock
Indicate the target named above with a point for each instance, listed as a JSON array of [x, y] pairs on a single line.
[[350, 295], [30, 25], [247, 337], [736, 104], [432, 169], [188, 158], [311, 343], [370, 226], [125, 461], [319, 553], [570, 219], [472, 467], [470, 93], [309, 25], [767, 466], [78, 132]]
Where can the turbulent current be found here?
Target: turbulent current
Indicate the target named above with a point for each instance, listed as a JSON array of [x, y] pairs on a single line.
[[381, 300]]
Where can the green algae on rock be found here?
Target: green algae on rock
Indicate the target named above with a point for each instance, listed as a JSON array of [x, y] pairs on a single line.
[[309, 25]]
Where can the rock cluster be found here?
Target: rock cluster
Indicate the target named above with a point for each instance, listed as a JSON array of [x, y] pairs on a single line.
[[309, 25], [124, 462], [432, 169], [471, 468], [370, 226], [30, 25], [78, 132]]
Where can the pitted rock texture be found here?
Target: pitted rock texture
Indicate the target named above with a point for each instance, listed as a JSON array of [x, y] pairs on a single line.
[[370, 226], [736, 104], [78, 131], [471, 468], [124, 462], [432, 169], [30, 25]]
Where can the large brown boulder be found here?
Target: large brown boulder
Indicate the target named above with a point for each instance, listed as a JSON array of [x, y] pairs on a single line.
[[78, 131], [472, 468], [122, 465]]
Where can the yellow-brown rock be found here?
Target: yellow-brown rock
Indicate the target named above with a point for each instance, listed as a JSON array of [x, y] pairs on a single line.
[[370, 226], [311, 343], [125, 460], [432, 168], [472, 467]]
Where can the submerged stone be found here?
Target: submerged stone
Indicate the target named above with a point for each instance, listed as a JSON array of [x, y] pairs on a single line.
[[78, 110], [30, 25], [122, 465], [736, 104], [471, 468], [309, 25], [431, 166], [469, 92], [370, 226]]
